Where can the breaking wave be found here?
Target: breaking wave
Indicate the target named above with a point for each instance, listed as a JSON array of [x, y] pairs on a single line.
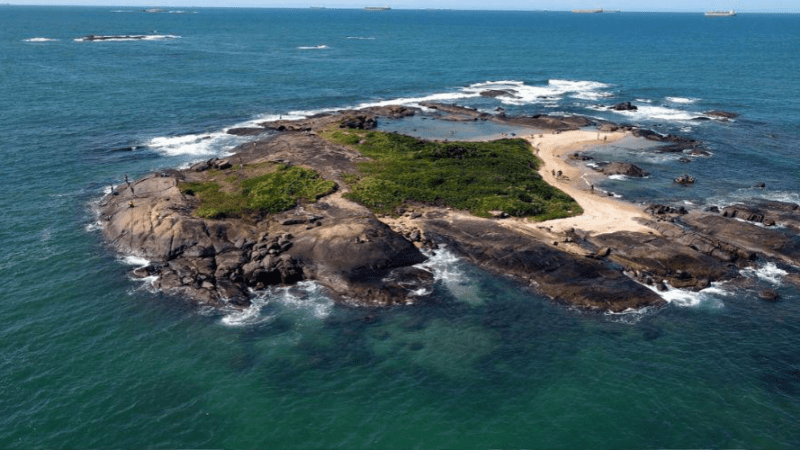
[[218, 143], [685, 100], [316, 47], [126, 37], [650, 112], [746, 194], [304, 300], [708, 297], [518, 93], [40, 39], [768, 272]]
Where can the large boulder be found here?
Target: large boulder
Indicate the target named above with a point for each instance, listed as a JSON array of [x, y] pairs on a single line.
[[621, 168], [624, 106]]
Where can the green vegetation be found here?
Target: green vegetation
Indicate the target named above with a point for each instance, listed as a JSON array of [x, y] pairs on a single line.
[[273, 192], [474, 176]]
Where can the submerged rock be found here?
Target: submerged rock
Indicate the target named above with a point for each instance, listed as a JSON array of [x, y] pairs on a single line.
[[769, 295], [722, 114]]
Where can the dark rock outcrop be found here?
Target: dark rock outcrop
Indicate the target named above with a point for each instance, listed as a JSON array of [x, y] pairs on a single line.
[[577, 156], [360, 122], [656, 259], [546, 122], [722, 114], [456, 112], [584, 282], [217, 261], [769, 295], [621, 168], [393, 111], [660, 210], [251, 131], [625, 106], [493, 93]]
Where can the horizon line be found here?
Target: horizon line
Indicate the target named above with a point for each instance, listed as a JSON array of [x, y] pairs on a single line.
[[610, 10]]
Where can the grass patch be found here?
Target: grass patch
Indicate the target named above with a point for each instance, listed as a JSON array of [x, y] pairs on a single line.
[[474, 176], [272, 192]]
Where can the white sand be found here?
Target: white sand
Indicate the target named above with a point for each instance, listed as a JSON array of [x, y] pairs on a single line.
[[601, 213]]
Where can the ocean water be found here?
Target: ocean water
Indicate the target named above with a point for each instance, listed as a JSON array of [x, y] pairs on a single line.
[[91, 358]]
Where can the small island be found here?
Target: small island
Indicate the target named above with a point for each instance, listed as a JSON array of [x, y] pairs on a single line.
[[332, 199]]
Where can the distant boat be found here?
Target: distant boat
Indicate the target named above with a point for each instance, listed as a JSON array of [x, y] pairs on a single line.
[[730, 13], [588, 11], [377, 8]]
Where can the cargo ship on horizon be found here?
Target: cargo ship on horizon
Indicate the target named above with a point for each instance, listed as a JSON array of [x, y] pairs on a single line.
[[730, 13]]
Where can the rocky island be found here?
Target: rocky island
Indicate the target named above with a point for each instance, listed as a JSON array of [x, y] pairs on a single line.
[[331, 199]]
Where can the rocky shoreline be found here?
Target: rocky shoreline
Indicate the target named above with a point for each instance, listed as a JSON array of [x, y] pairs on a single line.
[[363, 259]]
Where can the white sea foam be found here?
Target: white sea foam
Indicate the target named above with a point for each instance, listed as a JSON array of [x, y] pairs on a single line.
[[316, 47], [681, 297], [709, 296], [361, 38], [648, 112], [251, 315], [548, 95], [629, 316], [40, 39], [128, 37], [746, 194], [215, 143], [133, 260], [444, 265], [448, 270], [643, 100], [685, 100], [218, 143], [94, 226], [410, 101], [305, 298], [522, 94], [619, 177], [768, 272]]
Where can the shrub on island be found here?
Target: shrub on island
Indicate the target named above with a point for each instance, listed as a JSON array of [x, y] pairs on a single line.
[[475, 176], [278, 190]]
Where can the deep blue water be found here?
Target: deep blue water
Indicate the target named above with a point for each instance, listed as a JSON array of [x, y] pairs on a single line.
[[90, 358]]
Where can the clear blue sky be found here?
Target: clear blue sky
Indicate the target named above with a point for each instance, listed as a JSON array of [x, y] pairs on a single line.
[[624, 5]]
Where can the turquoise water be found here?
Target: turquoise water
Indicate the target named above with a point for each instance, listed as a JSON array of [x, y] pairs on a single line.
[[91, 358]]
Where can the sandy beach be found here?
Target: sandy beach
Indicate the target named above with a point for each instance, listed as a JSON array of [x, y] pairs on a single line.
[[601, 213]]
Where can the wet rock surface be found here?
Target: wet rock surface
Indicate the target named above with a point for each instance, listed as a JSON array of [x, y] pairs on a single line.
[[562, 276]]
